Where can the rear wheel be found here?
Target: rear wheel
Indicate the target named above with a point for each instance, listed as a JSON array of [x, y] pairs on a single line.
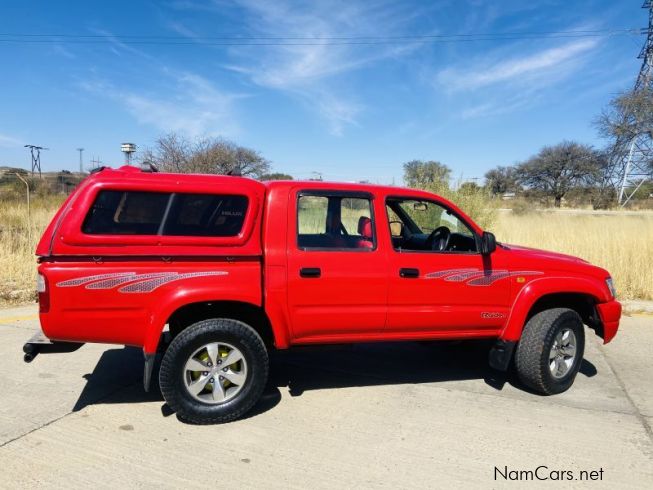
[[214, 371], [550, 350]]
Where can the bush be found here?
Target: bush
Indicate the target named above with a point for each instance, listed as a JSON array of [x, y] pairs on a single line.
[[475, 201]]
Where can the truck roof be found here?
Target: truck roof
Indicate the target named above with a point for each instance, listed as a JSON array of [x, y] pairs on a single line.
[[64, 235], [150, 178]]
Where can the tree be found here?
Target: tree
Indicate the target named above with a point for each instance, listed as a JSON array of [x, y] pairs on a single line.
[[628, 114], [469, 187], [175, 153], [276, 176], [557, 169], [426, 175], [500, 180]]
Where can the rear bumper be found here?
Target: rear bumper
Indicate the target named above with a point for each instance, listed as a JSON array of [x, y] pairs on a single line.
[[610, 314]]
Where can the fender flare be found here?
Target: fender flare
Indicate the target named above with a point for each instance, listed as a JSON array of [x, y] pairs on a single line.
[[539, 288], [183, 296]]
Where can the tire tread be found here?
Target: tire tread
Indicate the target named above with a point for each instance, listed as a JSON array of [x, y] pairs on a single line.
[[537, 334], [169, 368]]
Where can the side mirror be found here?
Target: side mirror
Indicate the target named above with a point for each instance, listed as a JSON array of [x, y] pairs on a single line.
[[488, 243]]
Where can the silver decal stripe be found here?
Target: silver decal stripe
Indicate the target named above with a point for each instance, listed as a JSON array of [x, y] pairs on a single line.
[[117, 281], [488, 279], [448, 272], [151, 284], [139, 283], [464, 276], [86, 279], [477, 277]]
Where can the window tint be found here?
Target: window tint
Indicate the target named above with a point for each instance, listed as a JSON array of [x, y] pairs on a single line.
[[428, 216], [205, 215], [334, 222], [126, 213], [312, 215], [412, 224], [141, 213]]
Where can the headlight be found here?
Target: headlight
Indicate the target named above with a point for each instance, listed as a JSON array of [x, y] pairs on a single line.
[[611, 287]]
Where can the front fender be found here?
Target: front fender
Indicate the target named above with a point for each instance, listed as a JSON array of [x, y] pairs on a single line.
[[538, 288]]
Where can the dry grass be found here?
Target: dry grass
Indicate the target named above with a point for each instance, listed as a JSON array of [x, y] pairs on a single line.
[[620, 243], [17, 260]]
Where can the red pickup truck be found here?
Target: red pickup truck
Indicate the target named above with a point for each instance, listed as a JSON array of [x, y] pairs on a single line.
[[233, 268]]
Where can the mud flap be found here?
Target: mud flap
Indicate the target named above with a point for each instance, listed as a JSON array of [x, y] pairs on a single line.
[[501, 354], [147, 370]]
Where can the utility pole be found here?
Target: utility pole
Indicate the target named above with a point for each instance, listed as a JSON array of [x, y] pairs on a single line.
[[81, 164], [95, 163], [35, 152], [29, 218], [630, 166]]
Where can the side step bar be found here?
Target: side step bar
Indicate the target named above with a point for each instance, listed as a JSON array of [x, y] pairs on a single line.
[[39, 343]]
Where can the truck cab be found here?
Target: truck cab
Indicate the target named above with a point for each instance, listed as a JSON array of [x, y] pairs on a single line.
[[232, 268]]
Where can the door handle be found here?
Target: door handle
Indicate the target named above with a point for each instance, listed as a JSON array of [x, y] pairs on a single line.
[[409, 272], [310, 272]]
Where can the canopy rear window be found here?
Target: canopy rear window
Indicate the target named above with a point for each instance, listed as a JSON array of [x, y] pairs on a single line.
[[168, 214]]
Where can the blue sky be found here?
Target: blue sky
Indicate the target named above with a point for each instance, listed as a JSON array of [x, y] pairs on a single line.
[[351, 112]]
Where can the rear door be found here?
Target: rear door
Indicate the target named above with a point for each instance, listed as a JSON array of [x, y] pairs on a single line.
[[337, 275]]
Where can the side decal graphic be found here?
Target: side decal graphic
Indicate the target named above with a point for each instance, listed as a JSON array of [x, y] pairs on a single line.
[[134, 283], [477, 277]]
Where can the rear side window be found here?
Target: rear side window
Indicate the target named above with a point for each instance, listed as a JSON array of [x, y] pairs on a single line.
[[154, 213], [335, 222], [126, 213], [205, 215]]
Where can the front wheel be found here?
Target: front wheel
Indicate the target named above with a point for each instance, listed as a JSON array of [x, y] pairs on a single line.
[[550, 350], [214, 371]]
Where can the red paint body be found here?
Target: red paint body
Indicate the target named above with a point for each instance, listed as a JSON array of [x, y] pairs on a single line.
[[359, 296]]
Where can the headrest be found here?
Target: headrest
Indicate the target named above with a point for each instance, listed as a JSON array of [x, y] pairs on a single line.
[[365, 227]]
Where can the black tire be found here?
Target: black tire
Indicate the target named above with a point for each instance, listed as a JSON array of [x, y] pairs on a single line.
[[532, 354], [171, 376]]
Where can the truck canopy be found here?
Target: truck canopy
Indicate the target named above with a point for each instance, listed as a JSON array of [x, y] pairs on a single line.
[[130, 212]]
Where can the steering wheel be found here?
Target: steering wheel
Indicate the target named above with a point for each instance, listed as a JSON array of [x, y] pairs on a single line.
[[438, 239]]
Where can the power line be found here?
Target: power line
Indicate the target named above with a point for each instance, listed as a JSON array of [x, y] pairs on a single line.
[[40, 38]]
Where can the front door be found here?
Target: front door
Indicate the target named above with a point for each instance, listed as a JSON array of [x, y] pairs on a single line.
[[337, 276], [438, 281]]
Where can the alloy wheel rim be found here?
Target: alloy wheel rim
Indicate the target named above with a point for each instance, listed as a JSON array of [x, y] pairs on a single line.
[[563, 353], [215, 373]]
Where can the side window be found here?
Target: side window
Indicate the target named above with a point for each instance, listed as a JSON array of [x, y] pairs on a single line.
[[126, 213], [206, 215], [417, 225], [142, 213], [312, 215], [335, 222]]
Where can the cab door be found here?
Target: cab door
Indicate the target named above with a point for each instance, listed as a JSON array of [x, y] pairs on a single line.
[[455, 291], [337, 274]]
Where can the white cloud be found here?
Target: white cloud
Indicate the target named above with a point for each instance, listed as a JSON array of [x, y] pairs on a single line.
[[196, 107], [308, 71], [552, 62], [7, 141], [338, 113]]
